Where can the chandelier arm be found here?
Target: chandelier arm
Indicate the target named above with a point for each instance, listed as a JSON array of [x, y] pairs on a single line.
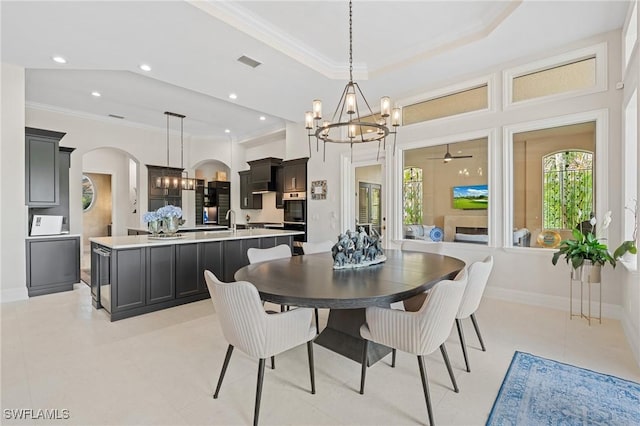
[[365, 99], [359, 120], [341, 104], [309, 137], [394, 144]]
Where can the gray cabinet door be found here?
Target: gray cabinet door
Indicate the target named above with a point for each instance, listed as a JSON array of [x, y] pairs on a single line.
[[52, 265], [235, 255], [188, 281], [42, 171], [160, 274], [210, 259], [128, 279]]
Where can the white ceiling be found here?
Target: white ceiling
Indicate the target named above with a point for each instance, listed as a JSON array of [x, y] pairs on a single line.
[[400, 49]]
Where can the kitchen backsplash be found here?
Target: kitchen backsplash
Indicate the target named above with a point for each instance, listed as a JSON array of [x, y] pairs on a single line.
[[268, 213]]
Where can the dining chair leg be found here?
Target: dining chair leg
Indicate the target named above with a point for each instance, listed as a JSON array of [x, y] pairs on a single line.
[[311, 366], [315, 311], [463, 344], [475, 325], [443, 350], [225, 364], [425, 388], [273, 362], [393, 357], [256, 411], [365, 347]]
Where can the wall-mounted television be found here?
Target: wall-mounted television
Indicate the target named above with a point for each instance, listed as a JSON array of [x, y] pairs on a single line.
[[471, 197]]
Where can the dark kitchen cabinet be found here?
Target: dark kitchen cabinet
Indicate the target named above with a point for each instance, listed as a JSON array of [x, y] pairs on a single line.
[[128, 279], [62, 208], [295, 175], [200, 192], [279, 188], [210, 258], [158, 196], [53, 264], [235, 255], [188, 280], [160, 276], [42, 168], [248, 200]]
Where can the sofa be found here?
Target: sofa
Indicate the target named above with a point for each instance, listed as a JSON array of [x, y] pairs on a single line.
[[418, 232]]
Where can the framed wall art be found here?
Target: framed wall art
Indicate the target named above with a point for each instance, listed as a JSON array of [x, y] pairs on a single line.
[[319, 190]]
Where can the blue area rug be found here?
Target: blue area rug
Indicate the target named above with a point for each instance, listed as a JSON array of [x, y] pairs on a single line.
[[539, 391]]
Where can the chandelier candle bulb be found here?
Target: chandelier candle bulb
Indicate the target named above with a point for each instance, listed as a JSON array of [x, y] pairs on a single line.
[[317, 109], [396, 117], [351, 103], [308, 120], [385, 106], [352, 131]]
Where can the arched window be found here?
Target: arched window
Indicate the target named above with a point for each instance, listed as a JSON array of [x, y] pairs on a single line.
[[412, 196], [567, 185]]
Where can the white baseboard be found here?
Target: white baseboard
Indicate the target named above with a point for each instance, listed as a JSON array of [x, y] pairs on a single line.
[[633, 337], [548, 301], [13, 294]]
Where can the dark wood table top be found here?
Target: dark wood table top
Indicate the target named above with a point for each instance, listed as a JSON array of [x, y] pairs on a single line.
[[311, 281]]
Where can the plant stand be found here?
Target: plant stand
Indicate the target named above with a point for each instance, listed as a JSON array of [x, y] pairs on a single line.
[[589, 275]]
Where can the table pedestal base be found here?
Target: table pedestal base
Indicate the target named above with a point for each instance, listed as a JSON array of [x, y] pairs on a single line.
[[342, 335]]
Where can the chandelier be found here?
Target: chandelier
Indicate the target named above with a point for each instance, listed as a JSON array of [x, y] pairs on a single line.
[[172, 182], [353, 121]]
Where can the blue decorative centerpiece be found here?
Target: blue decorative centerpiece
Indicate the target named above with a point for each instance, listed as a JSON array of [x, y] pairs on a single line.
[[153, 222], [357, 249], [166, 219]]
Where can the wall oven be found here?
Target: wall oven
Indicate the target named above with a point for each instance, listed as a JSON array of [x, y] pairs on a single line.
[[295, 206]]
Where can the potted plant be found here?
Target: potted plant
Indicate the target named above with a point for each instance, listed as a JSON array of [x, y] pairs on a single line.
[[153, 222], [586, 252], [630, 246], [171, 218]]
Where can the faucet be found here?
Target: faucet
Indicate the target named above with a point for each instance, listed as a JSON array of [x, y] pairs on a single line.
[[232, 224]]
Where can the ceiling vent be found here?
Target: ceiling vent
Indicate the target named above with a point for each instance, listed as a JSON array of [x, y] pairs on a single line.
[[116, 116], [249, 61]]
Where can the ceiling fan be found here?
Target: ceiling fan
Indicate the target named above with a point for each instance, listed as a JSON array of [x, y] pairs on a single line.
[[448, 157]]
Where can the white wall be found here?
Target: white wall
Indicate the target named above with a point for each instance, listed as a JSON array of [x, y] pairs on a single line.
[[13, 213]]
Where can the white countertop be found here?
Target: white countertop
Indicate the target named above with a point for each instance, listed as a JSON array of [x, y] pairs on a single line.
[[131, 241], [41, 237], [190, 228]]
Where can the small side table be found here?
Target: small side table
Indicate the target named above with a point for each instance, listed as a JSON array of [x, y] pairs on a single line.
[[587, 274]]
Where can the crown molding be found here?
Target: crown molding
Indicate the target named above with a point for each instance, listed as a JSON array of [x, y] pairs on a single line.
[[237, 16], [241, 19]]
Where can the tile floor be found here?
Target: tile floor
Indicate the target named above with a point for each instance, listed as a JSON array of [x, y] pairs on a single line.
[[161, 368]]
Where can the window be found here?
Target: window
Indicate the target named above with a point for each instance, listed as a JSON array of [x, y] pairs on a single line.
[[553, 183], [412, 196], [88, 193], [473, 99], [581, 71], [432, 176], [577, 75], [567, 187]]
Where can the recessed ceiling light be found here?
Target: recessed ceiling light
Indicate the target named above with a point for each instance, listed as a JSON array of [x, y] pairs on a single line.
[[262, 118], [227, 131], [59, 59], [145, 67], [233, 96], [96, 94]]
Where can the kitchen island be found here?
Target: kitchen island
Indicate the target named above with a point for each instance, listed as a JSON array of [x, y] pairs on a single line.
[[136, 274]]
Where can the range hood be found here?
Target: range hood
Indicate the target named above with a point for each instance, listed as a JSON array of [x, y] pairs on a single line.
[[263, 174]]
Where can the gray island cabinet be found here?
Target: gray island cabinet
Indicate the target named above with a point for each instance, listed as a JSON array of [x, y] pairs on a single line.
[[133, 275]]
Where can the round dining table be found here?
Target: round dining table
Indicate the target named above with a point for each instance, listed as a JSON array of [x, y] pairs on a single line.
[[310, 281]]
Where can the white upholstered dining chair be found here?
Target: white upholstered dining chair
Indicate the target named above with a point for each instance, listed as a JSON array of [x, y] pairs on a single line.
[[318, 247], [247, 326], [282, 251], [420, 332], [478, 276]]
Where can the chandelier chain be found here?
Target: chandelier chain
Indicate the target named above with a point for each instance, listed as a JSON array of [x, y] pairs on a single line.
[[350, 43]]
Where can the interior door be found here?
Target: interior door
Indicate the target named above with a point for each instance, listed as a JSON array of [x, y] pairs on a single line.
[[370, 205]]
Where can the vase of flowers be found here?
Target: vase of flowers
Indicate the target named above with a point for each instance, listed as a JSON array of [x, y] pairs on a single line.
[[586, 252], [171, 216], [153, 222]]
